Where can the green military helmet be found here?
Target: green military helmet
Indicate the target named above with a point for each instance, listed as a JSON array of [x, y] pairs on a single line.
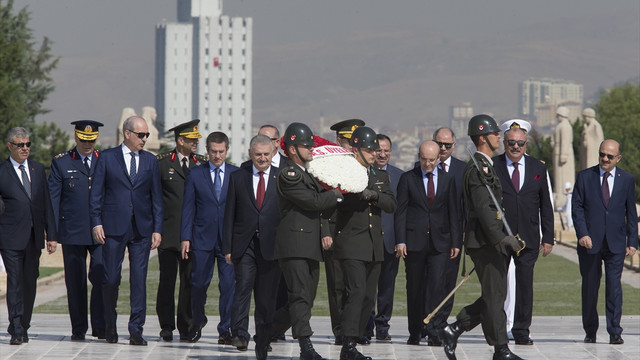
[[365, 138], [482, 124], [298, 134]]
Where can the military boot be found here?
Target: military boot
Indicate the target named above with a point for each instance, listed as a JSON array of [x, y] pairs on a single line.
[[449, 336], [307, 352], [349, 351], [502, 352]]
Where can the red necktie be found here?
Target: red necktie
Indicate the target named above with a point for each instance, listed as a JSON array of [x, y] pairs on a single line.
[[260, 191], [431, 192], [605, 189], [443, 166], [515, 177]]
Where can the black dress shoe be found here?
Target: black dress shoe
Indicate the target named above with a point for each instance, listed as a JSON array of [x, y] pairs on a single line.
[[279, 337], [240, 343], [363, 340], [590, 339], [383, 335], [196, 333], [502, 352], [225, 339], [16, 340], [449, 336], [524, 341], [97, 333], [369, 334], [77, 337], [413, 340], [25, 338], [615, 340], [338, 340], [111, 336], [184, 337], [137, 339], [262, 347], [166, 334], [434, 341]]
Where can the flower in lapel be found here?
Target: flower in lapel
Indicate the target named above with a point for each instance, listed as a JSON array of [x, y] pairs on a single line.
[[537, 177]]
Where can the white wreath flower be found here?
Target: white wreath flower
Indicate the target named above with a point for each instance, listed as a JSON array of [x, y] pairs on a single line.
[[337, 168]]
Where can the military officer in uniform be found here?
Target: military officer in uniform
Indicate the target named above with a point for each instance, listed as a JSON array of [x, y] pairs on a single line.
[[174, 169], [299, 238], [358, 245], [69, 185], [487, 243], [335, 287]]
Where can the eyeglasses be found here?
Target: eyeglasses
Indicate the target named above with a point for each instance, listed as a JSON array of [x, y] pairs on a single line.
[[446, 145], [609, 156], [274, 139], [87, 141], [519, 142], [141, 135], [21, 145]]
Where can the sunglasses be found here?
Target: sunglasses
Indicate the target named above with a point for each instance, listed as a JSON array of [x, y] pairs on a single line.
[[519, 142], [446, 145], [141, 135], [609, 156], [87, 141], [21, 145]]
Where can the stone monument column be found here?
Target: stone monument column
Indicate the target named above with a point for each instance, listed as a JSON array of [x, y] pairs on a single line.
[[563, 157], [592, 136]]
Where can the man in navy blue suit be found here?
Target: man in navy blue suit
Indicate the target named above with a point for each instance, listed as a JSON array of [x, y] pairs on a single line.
[[205, 196], [250, 223], [126, 212], [606, 222], [69, 184], [28, 216]]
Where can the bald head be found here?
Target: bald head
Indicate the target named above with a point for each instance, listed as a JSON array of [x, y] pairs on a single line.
[[609, 154], [428, 155]]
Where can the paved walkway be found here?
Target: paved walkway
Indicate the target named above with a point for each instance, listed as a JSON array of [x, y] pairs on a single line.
[[555, 338]]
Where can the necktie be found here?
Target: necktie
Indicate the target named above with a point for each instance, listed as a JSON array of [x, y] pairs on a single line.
[[216, 183], [443, 166], [25, 181], [515, 177], [431, 192], [86, 164], [605, 189], [132, 168], [260, 191], [185, 167]]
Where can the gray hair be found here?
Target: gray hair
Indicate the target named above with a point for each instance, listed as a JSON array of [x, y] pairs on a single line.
[[19, 132], [128, 124], [261, 139]]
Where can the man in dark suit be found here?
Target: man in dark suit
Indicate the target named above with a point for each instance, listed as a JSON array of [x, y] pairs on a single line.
[[606, 222], [205, 196], [28, 219], [299, 239], [527, 205], [358, 244], [69, 183], [126, 212], [426, 225], [174, 167], [487, 243], [389, 268], [250, 223]]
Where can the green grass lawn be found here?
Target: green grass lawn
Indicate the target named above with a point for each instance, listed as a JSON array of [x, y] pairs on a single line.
[[556, 292], [46, 271]]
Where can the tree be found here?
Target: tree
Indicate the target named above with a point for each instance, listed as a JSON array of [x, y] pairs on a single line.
[[618, 111], [540, 148], [25, 83]]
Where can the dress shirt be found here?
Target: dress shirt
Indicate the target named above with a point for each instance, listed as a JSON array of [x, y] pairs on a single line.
[[275, 160], [447, 163], [180, 157], [127, 158], [425, 181], [609, 180], [212, 168], [510, 168], [88, 156], [16, 167], [256, 179]]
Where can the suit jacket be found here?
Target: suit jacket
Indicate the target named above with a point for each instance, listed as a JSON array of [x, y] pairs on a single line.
[[114, 199], [243, 219], [456, 169], [69, 184], [172, 179], [202, 214], [388, 233], [529, 209], [414, 216], [302, 201], [359, 224], [21, 213], [618, 223]]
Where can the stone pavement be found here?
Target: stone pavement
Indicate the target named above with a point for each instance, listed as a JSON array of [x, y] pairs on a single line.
[[555, 338]]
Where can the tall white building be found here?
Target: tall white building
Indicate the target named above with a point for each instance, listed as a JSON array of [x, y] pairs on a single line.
[[204, 71], [537, 94]]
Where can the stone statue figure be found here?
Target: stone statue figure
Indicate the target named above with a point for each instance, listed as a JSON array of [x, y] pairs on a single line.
[[563, 157], [153, 142], [126, 112], [592, 136]]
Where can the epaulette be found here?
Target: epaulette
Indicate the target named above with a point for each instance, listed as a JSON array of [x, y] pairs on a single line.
[[543, 163], [62, 154], [291, 174], [200, 158], [163, 155]]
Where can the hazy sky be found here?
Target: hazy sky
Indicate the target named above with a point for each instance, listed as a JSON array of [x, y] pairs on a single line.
[[91, 36]]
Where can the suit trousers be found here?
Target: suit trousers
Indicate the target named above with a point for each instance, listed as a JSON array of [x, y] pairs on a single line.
[[22, 278], [491, 268], [254, 273], [335, 290], [301, 276], [113, 251], [523, 311], [386, 289], [360, 281], [591, 272], [75, 278], [171, 262], [425, 271]]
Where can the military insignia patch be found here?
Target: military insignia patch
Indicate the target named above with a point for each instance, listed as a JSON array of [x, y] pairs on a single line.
[[498, 217], [291, 173]]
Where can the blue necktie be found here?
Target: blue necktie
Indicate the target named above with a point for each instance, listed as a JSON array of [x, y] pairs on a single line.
[[216, 183], [132, 168]]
